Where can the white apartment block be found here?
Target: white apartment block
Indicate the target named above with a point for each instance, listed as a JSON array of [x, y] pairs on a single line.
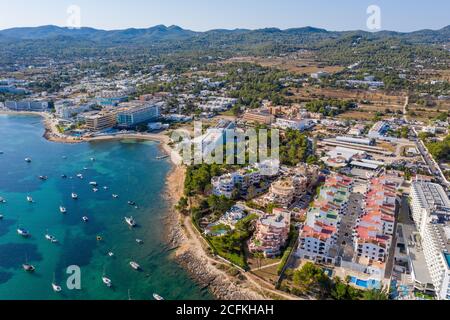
[[431, 213]]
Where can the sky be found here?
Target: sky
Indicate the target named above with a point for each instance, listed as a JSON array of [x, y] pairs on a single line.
[[202, 15]]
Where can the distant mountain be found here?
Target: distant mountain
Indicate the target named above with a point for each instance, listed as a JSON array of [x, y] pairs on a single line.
[[176, 33]]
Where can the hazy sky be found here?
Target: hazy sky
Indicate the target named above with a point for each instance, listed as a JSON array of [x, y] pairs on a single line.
[[200, 15]]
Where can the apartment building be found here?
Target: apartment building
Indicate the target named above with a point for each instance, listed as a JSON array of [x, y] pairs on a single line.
[[263, 117], [318, 238], [227, 184], [375, 227], [27, 105], [272, 233], [431, 214]]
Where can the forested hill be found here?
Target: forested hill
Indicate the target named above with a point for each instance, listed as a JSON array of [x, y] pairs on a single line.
[[64, 43]]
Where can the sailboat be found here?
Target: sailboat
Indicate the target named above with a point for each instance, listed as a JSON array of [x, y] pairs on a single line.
[[55, 287], [130, 221], [106, 280], [28, 267]]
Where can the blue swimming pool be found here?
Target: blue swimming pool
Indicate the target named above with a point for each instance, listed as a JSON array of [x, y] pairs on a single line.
[[366, 284]]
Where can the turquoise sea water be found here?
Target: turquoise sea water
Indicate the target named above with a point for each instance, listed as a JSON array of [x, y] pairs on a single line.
[[127, 168]]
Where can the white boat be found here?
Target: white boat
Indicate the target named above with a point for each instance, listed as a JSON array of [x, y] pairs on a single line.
[[1, 217], [62, 209], [135, 265], [130, 221], [157, 297], [51, 238], [93, 183], [105, 188], [30, 199], [2, 200], [107, 281], [115, 196], [22, 232], [111, 254], [43, 178], [28, 267], [85, 219], [74, 196], [28, 160], [139, 241], [95, 190], [92, 159], [56, 288], [80, 176]]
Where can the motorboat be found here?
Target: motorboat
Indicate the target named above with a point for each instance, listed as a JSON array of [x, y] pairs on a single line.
[[93, 183], [74, 196], [43, 178], [30, 199], [115, 196], [2, 200], [135, 265], [105, 188], [80, 176], [157, 297], [85, 219], [62, 209], [22, 232], [1, 217], [107, 281], [92, 159], [111, 254], [95, 190], [131, 203], [130, 221], [28, 160], [28, 267], [63, 176], [139, 241]]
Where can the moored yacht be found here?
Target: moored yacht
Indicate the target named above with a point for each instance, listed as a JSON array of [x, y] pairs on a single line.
[[135, 265], [107, 281], [56, 288], [22, 232], [85, 219], [80, 176], [115, 196], [51, 238], [93, 183], [28, 267], [130, 221], [62, 209], [74, 196], [28, 160], [30, 199], [157, 297], [2, 200]]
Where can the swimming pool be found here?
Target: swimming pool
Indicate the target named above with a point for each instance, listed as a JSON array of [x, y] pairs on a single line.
[[366, 284]]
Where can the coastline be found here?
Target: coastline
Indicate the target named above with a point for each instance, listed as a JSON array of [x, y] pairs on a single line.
[[189, 249]]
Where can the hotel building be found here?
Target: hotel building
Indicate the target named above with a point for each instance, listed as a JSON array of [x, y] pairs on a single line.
[[132, 116], [100, 121]]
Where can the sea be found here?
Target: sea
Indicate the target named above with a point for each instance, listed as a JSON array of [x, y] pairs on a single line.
[[80, 258]]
